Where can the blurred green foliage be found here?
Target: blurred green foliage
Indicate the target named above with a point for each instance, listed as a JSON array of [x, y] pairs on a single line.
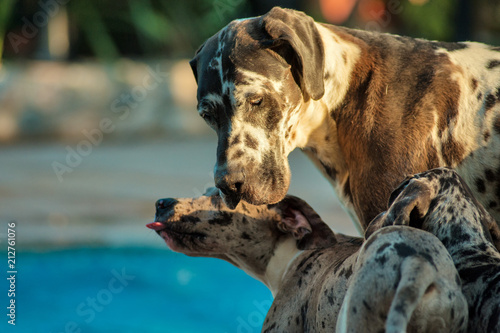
[[6, 7], [433, 20], [157, 26], [107, 29]]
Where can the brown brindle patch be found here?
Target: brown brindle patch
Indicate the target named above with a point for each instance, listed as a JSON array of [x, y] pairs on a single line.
[[452, 151], [379, 110], [251, 142], [432, 156], [236, 139], [238, 154], [473, 84], [486, 135]]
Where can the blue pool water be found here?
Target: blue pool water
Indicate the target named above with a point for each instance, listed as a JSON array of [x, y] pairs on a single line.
[[132, 290]]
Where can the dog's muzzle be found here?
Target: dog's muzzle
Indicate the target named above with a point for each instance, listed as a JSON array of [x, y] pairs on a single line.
[[230, 186], [164, 208]]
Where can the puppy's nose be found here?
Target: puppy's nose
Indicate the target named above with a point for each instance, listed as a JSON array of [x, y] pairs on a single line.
[[165, 204]]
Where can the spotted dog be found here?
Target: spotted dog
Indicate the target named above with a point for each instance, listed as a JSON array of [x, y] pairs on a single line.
[[398, 274], [368, 108], [440, 202]]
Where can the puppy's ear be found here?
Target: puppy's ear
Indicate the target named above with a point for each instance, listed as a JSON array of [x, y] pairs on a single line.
[[300, 220], [295, 37], [408, 205], [194, 62]]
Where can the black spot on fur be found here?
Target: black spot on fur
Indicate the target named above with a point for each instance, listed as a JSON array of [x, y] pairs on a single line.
[[346, 273], [481, 187], [381, 260], [190, 219], [381, 248], [496, 125], [490, 101], [490, 175], [493, 63], [449, 46], [492, 204], [223, 219], [246, 236], [307, 268], [404, 250]]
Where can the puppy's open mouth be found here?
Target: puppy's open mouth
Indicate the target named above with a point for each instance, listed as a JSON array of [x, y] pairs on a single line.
[[177, 237]]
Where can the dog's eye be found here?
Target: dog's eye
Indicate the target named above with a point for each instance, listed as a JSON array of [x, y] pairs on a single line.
[[256, 101], [207, 117]]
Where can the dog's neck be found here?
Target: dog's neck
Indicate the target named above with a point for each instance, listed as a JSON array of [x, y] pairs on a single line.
[[316, 132], [285, 253]]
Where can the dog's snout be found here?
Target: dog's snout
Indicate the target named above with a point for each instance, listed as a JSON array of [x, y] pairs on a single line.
[[230, 183], [165, 204]]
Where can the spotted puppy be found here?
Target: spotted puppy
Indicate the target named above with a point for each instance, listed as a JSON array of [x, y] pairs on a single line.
[[440, 202], [400, 279], [368, 108]]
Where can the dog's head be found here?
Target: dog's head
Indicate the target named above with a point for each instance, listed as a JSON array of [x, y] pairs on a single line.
[[253, 77], [246, 237]]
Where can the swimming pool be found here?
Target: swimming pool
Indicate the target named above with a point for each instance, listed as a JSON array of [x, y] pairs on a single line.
[[133, 290]]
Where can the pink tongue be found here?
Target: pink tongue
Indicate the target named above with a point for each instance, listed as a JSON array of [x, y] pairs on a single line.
[[155, 226]]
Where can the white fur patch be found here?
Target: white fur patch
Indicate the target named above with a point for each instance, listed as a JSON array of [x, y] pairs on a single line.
[[284, 254]]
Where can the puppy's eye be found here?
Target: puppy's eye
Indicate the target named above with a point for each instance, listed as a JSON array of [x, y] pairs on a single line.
[[256, 101]]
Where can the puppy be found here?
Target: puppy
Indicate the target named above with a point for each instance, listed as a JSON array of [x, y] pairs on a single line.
[[401, 279]]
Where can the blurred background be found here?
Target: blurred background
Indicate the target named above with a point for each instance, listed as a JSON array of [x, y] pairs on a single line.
[[98, 121]]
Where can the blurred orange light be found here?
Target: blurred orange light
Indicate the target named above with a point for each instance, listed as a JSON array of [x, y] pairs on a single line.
[[369, 10], [336, 11]]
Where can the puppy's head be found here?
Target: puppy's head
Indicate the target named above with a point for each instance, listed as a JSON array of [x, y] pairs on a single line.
[[246, 237], [254, 76]]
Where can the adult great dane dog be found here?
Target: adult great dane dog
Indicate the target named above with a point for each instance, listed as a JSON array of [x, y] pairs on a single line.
[[368, 108]]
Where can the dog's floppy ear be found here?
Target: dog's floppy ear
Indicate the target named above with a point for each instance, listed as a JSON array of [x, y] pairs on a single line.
[[194, 62], [295, 37], [300, 220], [408, 205]]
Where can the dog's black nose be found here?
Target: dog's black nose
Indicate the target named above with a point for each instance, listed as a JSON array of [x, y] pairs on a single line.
[[165, 204], [230, 184]]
